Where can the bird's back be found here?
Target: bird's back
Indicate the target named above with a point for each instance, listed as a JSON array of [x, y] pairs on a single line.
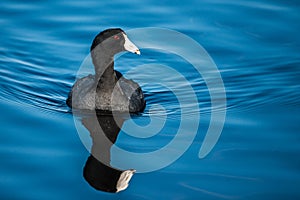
[[83, 95]]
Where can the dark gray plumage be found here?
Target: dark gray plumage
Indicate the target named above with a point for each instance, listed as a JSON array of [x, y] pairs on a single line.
[[108, 90]]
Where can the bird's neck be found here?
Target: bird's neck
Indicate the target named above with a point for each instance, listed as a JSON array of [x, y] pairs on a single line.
[[104, 72]]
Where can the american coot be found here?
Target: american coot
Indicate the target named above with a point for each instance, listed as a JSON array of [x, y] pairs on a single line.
[[108, 90]]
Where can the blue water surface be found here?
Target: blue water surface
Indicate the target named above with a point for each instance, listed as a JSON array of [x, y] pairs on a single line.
[[255, 45]]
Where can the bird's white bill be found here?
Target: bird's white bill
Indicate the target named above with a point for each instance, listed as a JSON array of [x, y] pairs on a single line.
[[129, 46]]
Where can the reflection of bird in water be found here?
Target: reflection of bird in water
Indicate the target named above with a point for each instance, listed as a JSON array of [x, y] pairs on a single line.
[[98, 172], [108, 90]]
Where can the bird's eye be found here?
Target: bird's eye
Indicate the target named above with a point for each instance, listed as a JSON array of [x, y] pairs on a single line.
[[116, 37]]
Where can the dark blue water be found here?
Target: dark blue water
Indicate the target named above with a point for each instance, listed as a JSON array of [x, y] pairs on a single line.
[[256, 47]]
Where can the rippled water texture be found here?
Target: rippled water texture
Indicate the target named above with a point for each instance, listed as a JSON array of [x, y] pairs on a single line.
[[256, 47]]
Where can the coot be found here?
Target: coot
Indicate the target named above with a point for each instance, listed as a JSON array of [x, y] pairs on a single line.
[[108, 90]]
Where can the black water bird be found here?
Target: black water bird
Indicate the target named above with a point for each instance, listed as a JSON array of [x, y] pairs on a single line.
[[108, 90]]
